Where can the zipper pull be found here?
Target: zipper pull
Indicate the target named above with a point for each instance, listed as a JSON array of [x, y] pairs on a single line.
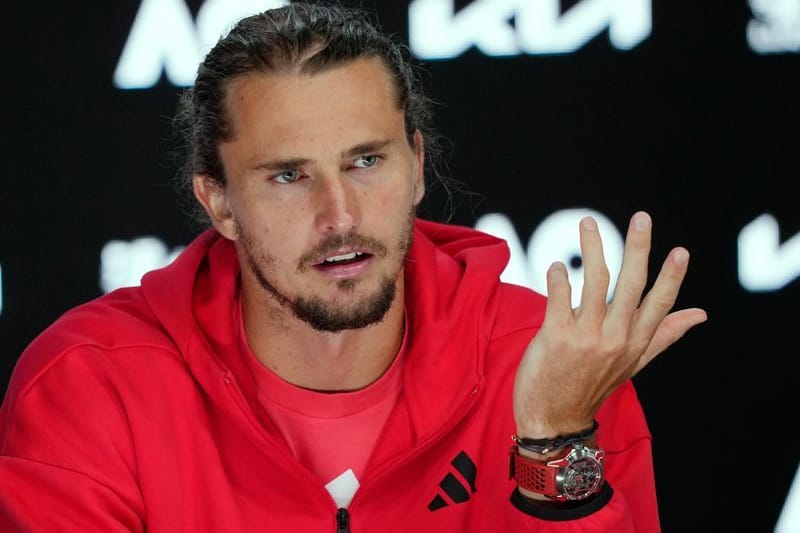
[[342, 521]]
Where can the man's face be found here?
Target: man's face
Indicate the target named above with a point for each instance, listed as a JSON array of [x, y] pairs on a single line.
[[321, 192]]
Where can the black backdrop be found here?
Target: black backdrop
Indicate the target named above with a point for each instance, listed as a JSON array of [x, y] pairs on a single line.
[[691, 124]]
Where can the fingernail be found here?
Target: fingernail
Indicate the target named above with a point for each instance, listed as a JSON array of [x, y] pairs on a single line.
[[589, 223], [641, 222], [681, 256]]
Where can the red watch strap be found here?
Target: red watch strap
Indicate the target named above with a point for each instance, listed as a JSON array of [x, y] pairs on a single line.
[[532, 475]]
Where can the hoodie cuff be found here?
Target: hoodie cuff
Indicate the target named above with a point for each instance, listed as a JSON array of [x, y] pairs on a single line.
[[566, 511]]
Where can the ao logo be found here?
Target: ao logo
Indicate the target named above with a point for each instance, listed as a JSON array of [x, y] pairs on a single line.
[[539, 26], [165, 38], [555, 239]]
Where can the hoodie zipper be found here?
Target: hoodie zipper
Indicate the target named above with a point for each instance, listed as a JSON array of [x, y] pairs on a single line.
[[342, 521], [342, 514]]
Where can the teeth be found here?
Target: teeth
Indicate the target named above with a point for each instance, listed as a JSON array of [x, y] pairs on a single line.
[[344, 257]]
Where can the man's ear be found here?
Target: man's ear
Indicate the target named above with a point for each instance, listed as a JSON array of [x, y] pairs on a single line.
[[212, 196], [419, 167]]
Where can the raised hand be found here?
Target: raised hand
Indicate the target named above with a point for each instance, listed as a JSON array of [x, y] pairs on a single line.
[[581, 355]]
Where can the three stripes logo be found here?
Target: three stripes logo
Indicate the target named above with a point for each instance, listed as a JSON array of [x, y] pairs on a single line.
[[453, 486]]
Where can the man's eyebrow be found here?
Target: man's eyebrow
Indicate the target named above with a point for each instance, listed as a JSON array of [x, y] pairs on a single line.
[[282, 164], [296, 162], [367, 147]]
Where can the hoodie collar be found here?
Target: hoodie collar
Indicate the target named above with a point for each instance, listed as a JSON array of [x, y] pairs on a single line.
[[451, 279]]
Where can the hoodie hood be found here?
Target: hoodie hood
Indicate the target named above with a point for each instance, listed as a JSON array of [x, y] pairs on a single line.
[[451, 283], [451, 272]]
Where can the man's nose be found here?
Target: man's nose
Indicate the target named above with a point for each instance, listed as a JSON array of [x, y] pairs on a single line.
[[337, 209]]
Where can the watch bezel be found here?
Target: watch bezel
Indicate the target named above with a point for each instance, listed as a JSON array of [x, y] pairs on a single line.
[[579, 473]]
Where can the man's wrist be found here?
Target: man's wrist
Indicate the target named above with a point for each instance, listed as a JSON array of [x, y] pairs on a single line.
[[544, 446]]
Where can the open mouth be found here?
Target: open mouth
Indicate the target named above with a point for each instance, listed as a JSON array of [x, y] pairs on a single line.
[[343, 260]]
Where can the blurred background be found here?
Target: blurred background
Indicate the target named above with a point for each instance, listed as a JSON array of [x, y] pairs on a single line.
[[553, 109]]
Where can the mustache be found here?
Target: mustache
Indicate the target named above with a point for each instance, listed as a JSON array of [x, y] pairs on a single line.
[[336, 242]]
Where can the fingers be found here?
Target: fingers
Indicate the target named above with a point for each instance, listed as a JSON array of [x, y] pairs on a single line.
[[633, 274], [659, 301], [580, 356], [595, 272], [673, 327], [628, 315], [559, 294]]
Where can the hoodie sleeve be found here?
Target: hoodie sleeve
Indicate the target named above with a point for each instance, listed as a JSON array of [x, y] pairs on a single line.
[[66, 454], [627, 503]]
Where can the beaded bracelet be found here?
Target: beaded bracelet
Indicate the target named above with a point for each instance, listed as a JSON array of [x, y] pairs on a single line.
[[543, 446]]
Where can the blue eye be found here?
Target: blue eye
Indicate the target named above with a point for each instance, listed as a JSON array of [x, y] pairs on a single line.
[[287, 176], [366, 161]]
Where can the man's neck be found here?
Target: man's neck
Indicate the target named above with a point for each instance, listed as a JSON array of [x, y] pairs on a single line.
[[303, 356]]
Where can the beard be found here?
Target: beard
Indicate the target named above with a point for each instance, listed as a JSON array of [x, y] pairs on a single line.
[[325, 315]]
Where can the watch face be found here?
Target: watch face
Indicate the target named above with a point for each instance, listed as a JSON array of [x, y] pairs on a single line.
[[581, 478]]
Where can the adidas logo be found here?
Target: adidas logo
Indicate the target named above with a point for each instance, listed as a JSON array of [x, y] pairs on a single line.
[[453, 487]]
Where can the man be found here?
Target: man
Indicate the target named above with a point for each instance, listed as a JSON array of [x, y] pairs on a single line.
[[321, 358]]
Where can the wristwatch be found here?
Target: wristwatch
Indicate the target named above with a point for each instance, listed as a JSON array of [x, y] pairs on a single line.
[[575, 475]]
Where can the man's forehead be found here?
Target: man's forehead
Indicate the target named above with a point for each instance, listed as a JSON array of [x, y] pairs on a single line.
[[289, 115], [366, 71]]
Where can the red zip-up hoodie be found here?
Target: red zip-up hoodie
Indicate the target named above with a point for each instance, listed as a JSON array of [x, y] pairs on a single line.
[[136, 412]]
